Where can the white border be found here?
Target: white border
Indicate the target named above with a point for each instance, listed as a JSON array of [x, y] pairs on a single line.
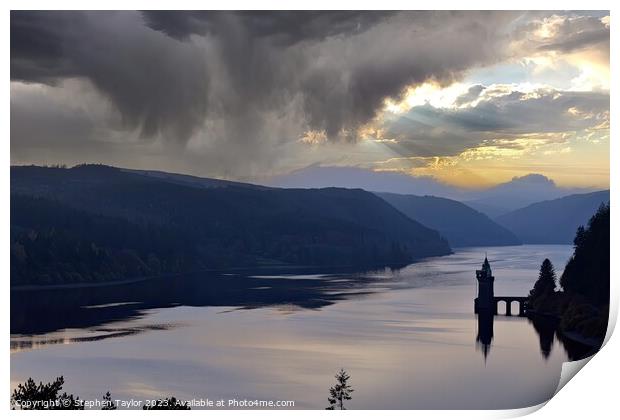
[[593, 395]]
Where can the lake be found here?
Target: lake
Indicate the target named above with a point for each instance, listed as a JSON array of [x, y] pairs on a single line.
[[408, 337]]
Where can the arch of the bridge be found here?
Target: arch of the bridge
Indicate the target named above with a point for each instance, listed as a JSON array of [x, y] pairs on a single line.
[[508, 301]]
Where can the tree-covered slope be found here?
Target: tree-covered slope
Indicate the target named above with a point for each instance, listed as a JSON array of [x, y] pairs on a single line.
[[210, 227], [588, 270], [553, 221], [582, 304], [458, 223]]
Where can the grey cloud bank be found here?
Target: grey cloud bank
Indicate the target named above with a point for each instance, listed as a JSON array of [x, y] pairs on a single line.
[[228, 92]]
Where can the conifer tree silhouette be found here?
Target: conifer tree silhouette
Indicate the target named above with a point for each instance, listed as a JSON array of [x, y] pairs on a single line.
[[340, 392]]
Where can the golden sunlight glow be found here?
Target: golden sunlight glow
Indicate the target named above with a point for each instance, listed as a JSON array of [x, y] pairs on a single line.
[[568, 158], [313, 137], [427, 93], [576, 158], [593, 71]]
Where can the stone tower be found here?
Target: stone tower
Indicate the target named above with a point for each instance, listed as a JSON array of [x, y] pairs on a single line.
[[486, 297]]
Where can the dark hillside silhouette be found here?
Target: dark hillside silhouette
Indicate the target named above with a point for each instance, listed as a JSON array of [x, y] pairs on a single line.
[[459, 224], [519, 192], [52, 243], [98, 223], [553, 221]]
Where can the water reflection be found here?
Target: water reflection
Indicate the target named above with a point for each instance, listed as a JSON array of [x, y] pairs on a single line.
[[36, 316], [485, 332], [68, 316], [46, 311], [402, 334], [546, 328], [97, 334]]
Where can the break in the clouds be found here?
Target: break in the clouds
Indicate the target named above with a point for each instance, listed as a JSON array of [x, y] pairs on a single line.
[[243, 94], [497, 112]]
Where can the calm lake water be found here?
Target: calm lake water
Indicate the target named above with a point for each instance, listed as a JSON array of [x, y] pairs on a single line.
[[408, 337]]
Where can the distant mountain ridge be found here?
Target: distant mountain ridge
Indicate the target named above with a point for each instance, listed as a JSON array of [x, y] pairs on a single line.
[[126, 223], [553, 221], [494, 201], [518, 193], [369, 180], [458, 223]]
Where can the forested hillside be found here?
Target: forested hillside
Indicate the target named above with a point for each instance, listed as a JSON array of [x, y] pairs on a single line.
[[553, 221], [459, 224], [96, 223]]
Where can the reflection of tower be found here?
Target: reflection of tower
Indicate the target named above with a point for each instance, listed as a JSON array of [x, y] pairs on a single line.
[[485, 331], [486, 297], [485, 307]]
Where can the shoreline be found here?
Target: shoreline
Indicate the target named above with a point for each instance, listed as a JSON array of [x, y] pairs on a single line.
[[42, 287], [64, 286], [581, 339]]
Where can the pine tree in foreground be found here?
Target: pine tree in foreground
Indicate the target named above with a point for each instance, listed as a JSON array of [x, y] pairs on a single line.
[[340, 392], [108, 404], [30, 396]]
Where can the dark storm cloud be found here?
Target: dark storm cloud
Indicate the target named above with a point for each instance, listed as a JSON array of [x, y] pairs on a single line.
[[356, 78], [228, 89], [284, 27], [339, 65], [37, 51], [157, 84]]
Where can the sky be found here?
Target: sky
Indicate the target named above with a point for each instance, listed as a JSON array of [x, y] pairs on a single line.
[[470, 99]]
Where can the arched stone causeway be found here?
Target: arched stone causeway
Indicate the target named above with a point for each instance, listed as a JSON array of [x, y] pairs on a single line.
[[487, 302], [508, 300]]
